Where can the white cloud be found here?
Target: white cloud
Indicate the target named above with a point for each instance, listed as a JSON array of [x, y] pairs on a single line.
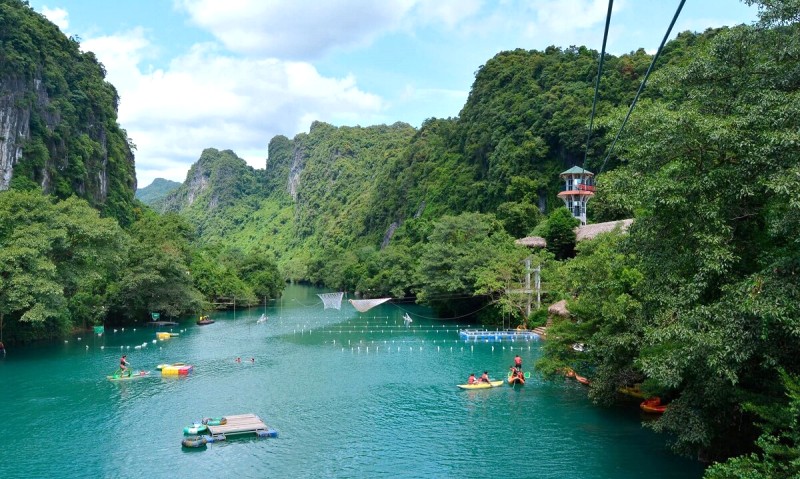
[[206, 98], [450, 13], [297, 29], [562, 16], [59, 16], [307, 29]]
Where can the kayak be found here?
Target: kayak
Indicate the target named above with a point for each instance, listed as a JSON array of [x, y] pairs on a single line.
[[490, 384], [125, 377], [205, 320], [632, 391], [653, 405]]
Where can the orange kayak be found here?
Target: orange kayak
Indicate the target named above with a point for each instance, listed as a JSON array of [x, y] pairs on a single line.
[[653, 405]]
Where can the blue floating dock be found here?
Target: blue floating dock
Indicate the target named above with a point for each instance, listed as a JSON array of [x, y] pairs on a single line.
[[498, 335]]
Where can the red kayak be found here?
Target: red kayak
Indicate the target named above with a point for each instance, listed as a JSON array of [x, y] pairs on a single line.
[[653, 405]]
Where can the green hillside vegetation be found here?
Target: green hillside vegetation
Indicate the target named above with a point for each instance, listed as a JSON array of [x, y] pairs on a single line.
[[75, 146], [698, 304], [156, 190], [76, 248], [701, 302]]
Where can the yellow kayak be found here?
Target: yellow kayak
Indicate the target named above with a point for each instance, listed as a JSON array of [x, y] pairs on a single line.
[[491, 384]]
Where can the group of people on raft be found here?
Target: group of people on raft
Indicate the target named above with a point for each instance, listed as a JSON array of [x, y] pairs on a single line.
[[515, 374]]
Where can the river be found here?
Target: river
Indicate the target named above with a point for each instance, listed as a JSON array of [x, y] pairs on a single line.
[[350, 394]]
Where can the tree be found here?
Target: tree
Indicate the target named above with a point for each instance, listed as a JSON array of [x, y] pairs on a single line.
[[459, 251], [157, 275], [712, 175], [559, 231], [56, 261]]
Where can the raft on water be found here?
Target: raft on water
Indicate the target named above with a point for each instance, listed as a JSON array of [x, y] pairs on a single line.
[[202, 434], [243, 424]]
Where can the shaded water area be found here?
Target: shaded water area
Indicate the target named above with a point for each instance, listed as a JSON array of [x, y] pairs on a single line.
[[351, 395]]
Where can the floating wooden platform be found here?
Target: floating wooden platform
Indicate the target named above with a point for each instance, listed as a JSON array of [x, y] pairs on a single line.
[[241, 424], [499, 335]]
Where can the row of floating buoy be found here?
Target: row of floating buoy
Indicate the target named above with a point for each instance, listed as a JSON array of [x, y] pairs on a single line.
[[304, 331], [389, 349], [124, 347], [363, 342]]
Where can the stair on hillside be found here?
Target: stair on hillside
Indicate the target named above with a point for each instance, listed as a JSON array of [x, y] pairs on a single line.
[[541, 331]]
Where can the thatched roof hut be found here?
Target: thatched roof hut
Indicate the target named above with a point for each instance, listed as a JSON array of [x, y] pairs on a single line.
[[590, 231], [559, 308], [532, 242], [581, 233]]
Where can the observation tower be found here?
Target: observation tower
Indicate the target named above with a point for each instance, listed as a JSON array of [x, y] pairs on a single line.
[[577, 190]]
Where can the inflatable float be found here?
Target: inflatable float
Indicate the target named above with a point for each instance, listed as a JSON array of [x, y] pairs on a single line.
[[176, 370], [215, 421], [484, 385], [162, 366], [194, 441], [195, 429]]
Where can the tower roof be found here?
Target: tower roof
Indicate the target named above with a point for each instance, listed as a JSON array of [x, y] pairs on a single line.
[[577, 170]]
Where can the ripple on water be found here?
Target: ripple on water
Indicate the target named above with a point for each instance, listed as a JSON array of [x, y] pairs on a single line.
[[389, 409]]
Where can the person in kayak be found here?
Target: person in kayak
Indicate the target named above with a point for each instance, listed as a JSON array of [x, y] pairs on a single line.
[[518, 362], [123, 365], [484, 377], [472, 379]]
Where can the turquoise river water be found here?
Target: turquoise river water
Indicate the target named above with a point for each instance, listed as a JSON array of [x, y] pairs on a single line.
[[351, 395]]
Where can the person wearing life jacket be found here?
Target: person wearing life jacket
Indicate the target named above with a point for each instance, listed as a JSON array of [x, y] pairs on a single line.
[[484, 377], [472, 379], [518, 362]]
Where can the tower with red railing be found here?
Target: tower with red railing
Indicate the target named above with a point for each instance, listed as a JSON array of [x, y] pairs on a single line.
[[577, 190]]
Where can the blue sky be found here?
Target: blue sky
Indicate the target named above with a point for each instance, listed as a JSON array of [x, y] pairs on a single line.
[[233, 74]]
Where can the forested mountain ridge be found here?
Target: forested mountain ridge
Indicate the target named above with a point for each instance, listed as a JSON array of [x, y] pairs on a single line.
[[76, 248], [58, 117], [156, 190], [343, 192]]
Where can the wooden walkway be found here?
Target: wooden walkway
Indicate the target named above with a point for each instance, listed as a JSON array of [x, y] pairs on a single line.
[[498, 335], [240, 424]]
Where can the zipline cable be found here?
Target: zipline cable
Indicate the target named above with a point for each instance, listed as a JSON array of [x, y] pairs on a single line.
[[597, 82], [644, 81]]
